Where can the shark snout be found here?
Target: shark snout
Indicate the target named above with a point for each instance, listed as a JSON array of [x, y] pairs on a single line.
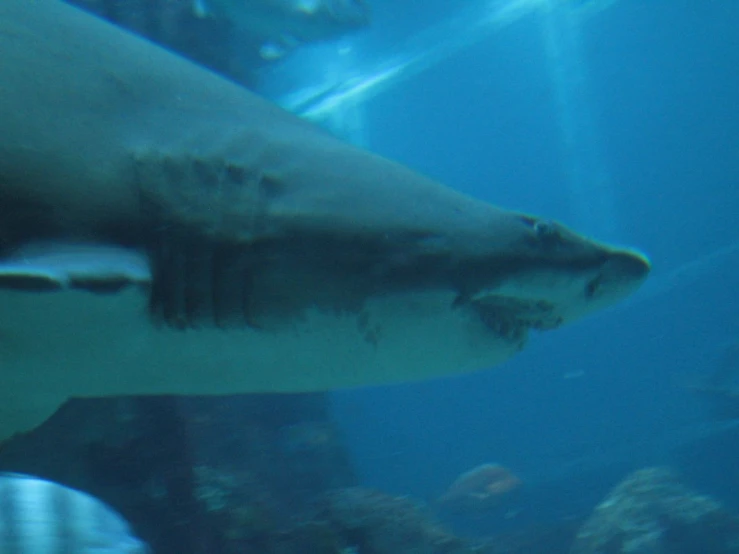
[[627, 266], [622, 272]]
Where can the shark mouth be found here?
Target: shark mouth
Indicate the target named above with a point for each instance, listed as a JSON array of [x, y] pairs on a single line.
[[511, 318]]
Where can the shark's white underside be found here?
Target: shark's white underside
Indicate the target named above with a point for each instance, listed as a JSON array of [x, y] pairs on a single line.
[[74, 343]]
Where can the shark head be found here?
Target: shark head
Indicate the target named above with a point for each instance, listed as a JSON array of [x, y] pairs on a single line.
[[545, 275]]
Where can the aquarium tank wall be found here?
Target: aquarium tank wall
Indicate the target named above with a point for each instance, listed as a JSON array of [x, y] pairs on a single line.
[[617, 118]]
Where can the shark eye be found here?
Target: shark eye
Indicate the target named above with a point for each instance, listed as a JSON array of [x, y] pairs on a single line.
[[545, 230]]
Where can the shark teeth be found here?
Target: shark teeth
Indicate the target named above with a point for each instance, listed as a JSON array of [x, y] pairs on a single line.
[[511, 318]]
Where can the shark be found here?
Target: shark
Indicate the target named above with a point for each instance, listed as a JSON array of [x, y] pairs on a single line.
[[164, 231], [280, 26]]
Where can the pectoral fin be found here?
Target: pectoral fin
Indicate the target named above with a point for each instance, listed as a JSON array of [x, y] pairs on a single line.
[[56, 266]]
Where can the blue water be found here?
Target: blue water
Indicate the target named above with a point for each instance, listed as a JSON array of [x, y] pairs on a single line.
[[627, 129], [583, 405]]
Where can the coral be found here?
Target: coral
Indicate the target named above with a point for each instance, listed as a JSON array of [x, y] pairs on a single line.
[[237, 506], [651, 512], [193, 475], [376, 523]]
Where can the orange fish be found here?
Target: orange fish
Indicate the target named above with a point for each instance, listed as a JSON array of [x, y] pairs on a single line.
[[481, 488]]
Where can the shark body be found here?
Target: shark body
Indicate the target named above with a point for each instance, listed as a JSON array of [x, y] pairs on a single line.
[[164, 231]]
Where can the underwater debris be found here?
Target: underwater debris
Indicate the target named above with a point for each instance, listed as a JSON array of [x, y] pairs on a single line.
[[651, 512]]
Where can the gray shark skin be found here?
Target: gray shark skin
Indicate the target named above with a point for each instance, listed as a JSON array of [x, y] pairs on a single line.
[[163, 231]]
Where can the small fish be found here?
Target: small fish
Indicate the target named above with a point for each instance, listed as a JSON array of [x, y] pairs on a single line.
[[307, 436], [42, 517], [482, 488]]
